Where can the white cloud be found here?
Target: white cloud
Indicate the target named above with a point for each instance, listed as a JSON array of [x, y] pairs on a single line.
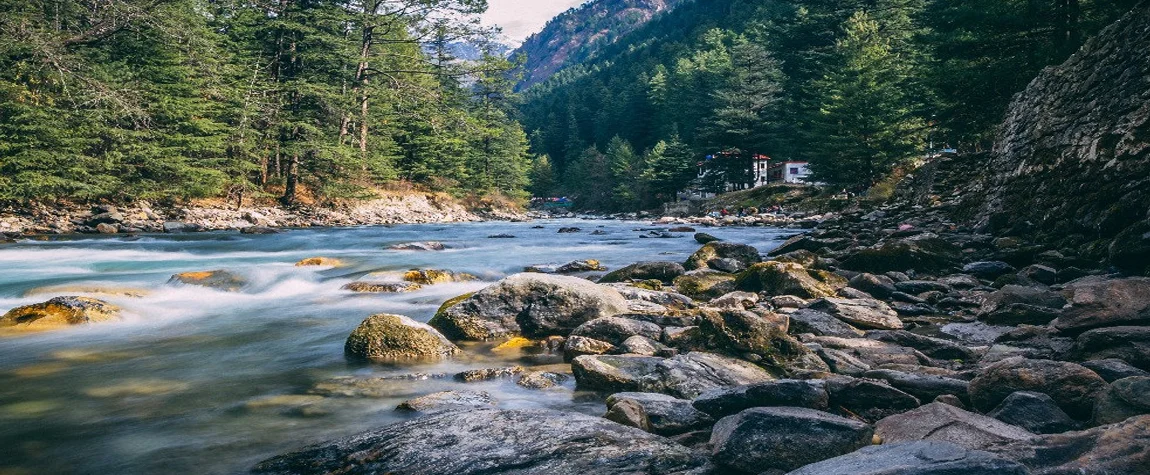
[[520, 18]]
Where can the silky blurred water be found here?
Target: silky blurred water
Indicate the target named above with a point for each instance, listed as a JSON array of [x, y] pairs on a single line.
[[177, 386]]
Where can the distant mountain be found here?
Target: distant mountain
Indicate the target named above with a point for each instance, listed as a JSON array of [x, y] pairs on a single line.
[[578, 33]]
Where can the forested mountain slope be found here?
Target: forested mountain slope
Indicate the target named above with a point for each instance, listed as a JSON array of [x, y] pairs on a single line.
[[856, 87], [578, 33]]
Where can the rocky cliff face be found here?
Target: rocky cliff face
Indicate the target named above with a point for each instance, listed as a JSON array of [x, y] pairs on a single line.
[[1072, 165]]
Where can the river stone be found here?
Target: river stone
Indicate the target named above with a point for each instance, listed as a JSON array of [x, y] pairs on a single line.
[[880, 286], [1118, 448], [574, 267], [381, 287], [867, 399], [612, 372], [387, 338], [1100, 302], [216, 279], [923, 253], [932, 347], [915, 458], [943, 422], [726, 264], [747, 255], [811, 394], [534, 305], [736, 300], [1130, 344], [704, 238], [446, 401], [542, 380], [743, 332], [925, 387], [784, 438], [1017, 304], [821, 324], [656, 413], [320, 262], [1035, 412], [705, 284], [487, 374], [489, 441], [418, 246], [1072, 386], [60, 312], [616, 330], [989, 270], [1113, 369], [863, 313], [661, 271], [1123, 399], [779, 278], [640, 345], [667, 299], [434, 276], [689, 375], [576, 346]]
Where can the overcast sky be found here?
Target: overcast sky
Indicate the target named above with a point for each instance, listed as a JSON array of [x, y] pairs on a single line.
[[521, 18]]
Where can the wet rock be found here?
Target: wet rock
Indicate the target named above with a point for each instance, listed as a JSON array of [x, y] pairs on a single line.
[[880, 286], [542, 380], [723, 402], [915, 458], [705, 285], [1113, 369], [862, 313], [867, 399], [1035, 412], [663, 271], [587, 265], [1116, 448], [925, 387], [381, 287], [485, 441], [319, 262], [487, 374], [704, 238], [932, 347], [1123, 399], [418, 246], [784, 438], [259, 230], [216, 279], [180, 227], [612, 373], [778, 278], [60, 312], [388, 338], [1072, 386], [533, 305], [656, 413], [616, 330], [923, 253], [576, 346], [569, 230], [989, 270], [433, 276], [689, 375], [821, 323], [1131, 344], [747, 255], [377, 387], [1099, 302], [446, 401], [942, 422]]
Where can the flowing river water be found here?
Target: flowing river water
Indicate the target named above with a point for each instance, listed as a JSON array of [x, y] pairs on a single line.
[[197, 380]]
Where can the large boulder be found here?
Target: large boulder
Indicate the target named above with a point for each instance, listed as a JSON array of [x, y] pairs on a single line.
[[746, 333], [532, 305], [689, 375], [1124, 398], [862, 313], [879, 286], [1119, 448], [1096, 302], [867, 399], [943, 422], [1035, 412], [656, 413], [1130, 344], [781, 278], [746, 255], [391, 338], [784, 438], [60, 312], [612, 372], [723, 402], [915, 458], [923, 253], [657, 270], [1072, 386], [488, 441], [616, 330]]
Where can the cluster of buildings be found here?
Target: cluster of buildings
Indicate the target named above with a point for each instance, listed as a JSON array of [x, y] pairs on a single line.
[[763, 171]]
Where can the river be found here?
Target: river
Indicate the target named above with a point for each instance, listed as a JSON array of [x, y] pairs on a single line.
[[194, 379]]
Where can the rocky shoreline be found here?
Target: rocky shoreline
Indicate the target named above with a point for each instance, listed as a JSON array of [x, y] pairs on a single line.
[[142, 217]]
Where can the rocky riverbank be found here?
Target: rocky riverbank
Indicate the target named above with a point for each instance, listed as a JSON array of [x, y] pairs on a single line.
[[389, 208]]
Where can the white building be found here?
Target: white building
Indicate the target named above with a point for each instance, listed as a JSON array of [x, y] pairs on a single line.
[[788, 172]]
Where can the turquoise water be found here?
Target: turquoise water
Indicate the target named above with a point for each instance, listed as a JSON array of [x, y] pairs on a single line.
[[182, 385]]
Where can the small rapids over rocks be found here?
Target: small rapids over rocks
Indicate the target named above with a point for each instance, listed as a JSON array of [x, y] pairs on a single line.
[[195, 379]]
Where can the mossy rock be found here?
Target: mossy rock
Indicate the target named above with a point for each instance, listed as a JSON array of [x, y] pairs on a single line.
[[396, 338], [662, 271], [433, 276], [747, 255], [382, 287], [320, 262], [60, 312], [216, 279], [705, 285], [783, 278]]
